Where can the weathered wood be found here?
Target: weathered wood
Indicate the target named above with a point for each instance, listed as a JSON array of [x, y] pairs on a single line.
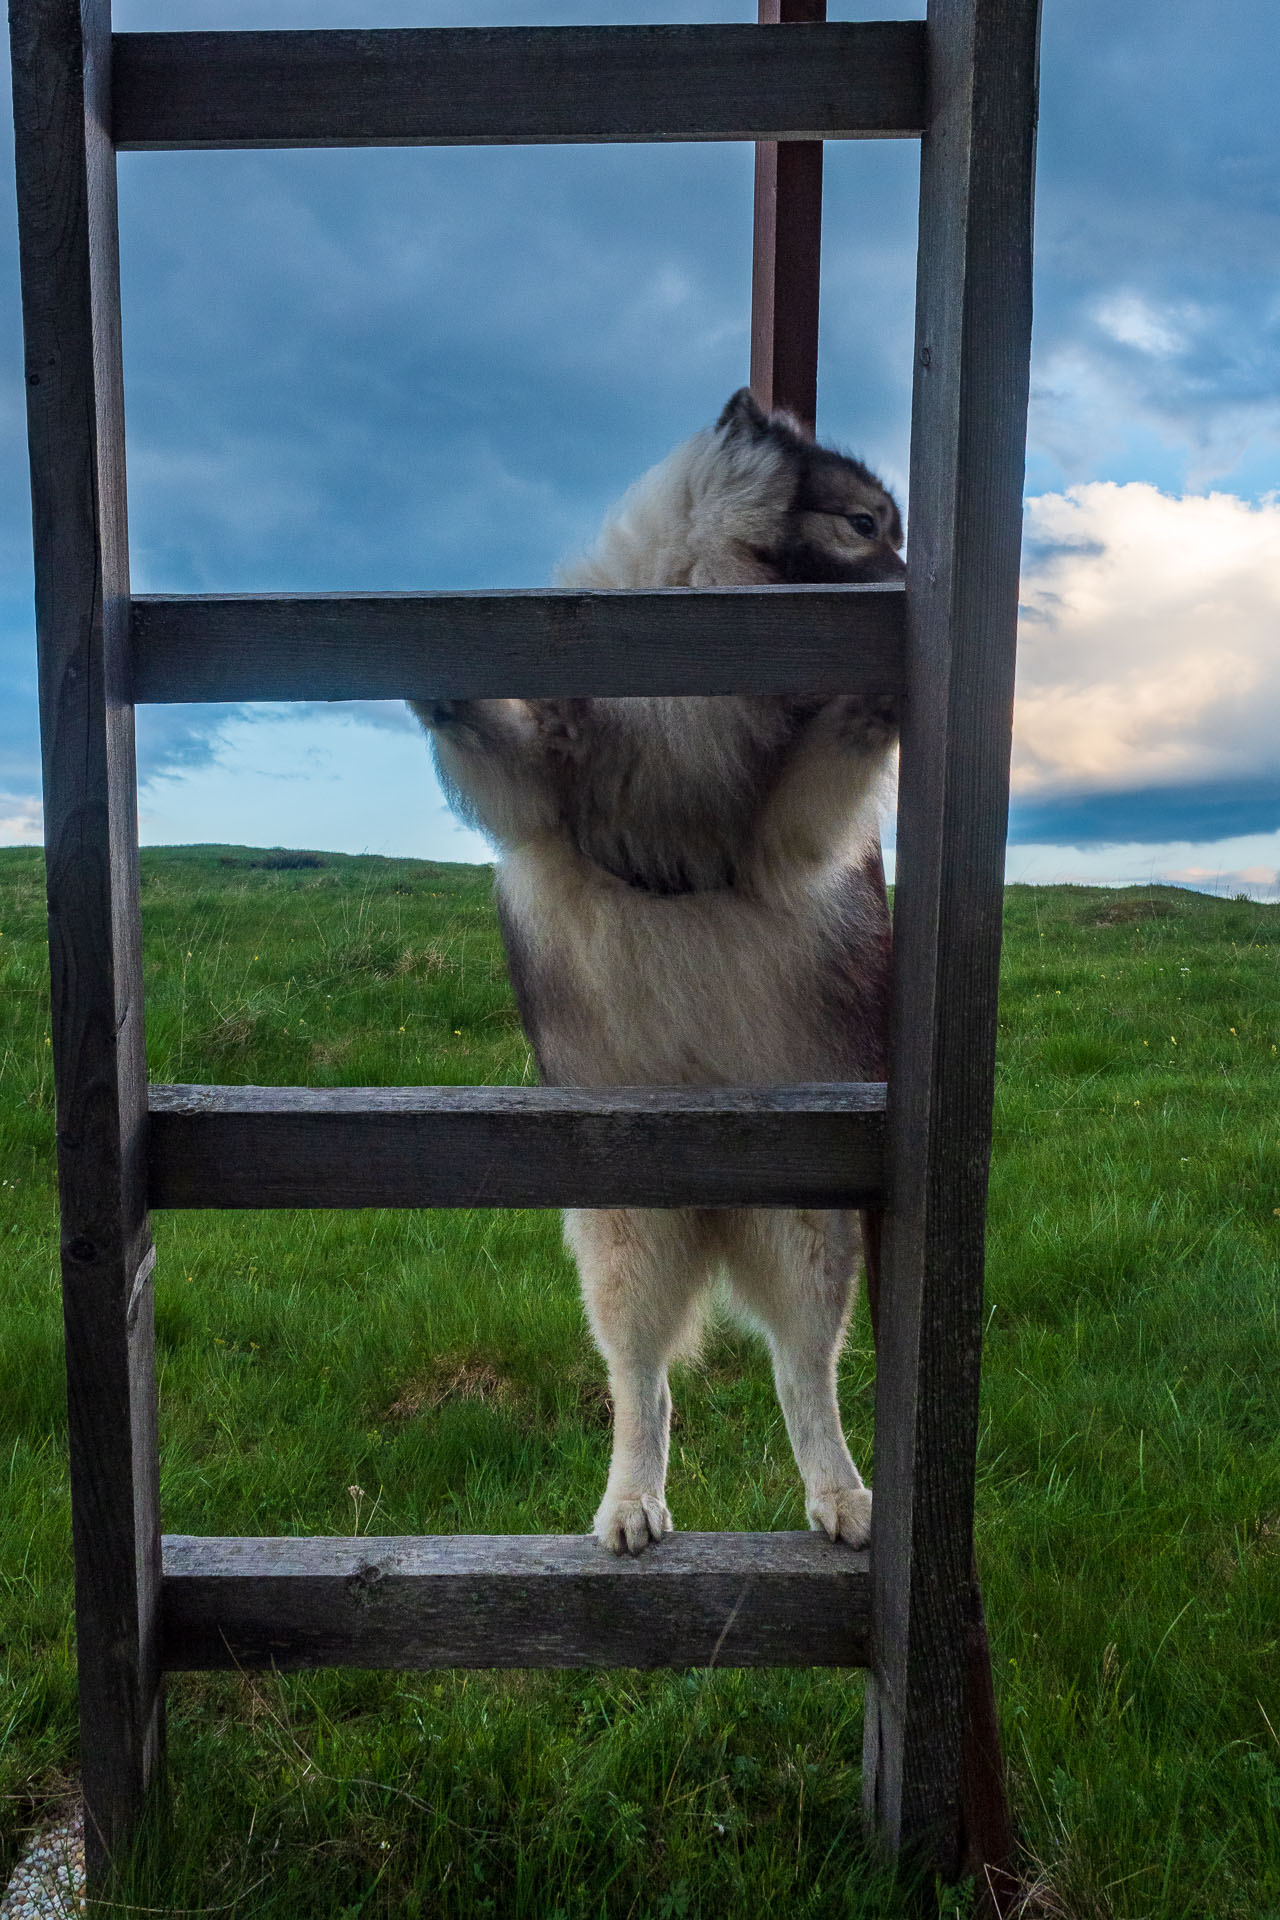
[[461, 1602], [696, 1600], [784, 372], [988, 1849], [71, 317], [817, 1146], [529, 644], [481, 85], [973, 325], [786, 259], [989, 1852]]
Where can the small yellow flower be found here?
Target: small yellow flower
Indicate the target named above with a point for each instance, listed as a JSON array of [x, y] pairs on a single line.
[[1172, 1041], [457, 1033], [1231, 1030]]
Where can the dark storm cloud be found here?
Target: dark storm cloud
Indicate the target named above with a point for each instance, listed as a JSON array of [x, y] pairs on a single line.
[[1157, 238], [1153, 815], [436, 368]]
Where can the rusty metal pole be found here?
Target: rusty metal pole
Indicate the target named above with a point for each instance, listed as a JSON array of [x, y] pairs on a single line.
[[787, 256]]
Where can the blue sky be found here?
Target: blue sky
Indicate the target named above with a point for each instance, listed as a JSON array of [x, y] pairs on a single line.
[[437, 368]]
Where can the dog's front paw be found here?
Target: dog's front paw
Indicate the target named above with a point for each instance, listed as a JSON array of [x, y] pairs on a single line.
[[629, 1522], [842, 1513]]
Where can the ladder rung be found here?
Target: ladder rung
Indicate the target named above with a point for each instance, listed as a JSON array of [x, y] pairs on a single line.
[[799, 1146], [480, 85], [396, 646], [512, 1600]]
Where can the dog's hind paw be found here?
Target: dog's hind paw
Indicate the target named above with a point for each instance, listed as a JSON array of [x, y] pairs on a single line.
[[629, 1522], [842, 1513]]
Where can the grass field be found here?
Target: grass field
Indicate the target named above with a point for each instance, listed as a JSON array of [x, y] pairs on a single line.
[[396, 1373]]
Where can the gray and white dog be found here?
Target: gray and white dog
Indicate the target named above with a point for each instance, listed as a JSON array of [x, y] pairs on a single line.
[[683, 898]]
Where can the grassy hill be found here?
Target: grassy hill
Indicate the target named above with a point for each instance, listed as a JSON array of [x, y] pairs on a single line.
[[396, 1373]]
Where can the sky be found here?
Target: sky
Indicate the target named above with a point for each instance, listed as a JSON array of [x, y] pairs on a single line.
[[437, 368]]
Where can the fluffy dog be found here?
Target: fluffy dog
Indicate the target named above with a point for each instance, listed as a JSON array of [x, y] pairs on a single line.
[[683, 899]]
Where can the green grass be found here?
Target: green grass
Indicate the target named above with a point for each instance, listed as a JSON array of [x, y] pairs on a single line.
[[431, 1372]]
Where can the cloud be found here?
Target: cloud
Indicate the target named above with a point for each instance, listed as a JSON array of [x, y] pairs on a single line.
[[1150, 814], [1192, 386], [326, 779], [1149, 672], [183, 739], [1260, 882], [436, 369], [1135, 322], [1157, 348], [21, 821]]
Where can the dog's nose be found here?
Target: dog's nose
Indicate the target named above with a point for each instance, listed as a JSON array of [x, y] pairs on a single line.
[[885, 564]]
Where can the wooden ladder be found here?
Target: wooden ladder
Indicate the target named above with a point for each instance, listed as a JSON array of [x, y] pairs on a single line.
[[965, 82]]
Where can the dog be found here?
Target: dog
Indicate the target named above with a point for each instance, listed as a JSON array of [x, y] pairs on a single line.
[[685, 899]]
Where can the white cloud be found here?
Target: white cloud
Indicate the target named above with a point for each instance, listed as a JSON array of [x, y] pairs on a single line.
[[1135, 322], [21, 821], [1183, 389], [1148, 651], [1262, 881]]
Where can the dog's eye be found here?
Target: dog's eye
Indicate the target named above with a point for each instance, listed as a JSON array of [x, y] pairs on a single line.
[[865, 524]]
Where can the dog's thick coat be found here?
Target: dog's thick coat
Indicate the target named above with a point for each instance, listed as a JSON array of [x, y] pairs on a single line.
[[683, 899]]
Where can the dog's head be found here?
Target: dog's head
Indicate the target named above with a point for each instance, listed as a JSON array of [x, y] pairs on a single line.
[[830, 519]]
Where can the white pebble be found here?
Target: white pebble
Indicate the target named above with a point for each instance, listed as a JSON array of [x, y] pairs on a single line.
[[48, 1881]]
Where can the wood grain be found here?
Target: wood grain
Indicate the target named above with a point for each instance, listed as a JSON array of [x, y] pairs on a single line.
[[695, 1600], [531, 644], [812, 1146], [71, 320], [973, 327], [483, 85]]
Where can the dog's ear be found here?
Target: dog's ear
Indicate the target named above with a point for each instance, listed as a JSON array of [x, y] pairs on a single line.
[[743, 418]]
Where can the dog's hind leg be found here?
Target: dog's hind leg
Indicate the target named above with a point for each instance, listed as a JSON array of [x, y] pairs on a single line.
[[794, 1274], [642, 1274]]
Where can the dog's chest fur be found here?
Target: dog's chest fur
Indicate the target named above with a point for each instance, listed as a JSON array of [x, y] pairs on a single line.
[[686, 886], [651, 943]]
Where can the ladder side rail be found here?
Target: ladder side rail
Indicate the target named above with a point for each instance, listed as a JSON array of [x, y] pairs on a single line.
[[973, 325], [784, 372], [71, 315], [475, 86]]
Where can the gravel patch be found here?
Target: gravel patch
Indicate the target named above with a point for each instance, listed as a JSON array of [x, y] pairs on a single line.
[[48, 1881]]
